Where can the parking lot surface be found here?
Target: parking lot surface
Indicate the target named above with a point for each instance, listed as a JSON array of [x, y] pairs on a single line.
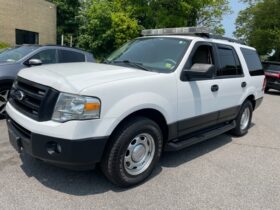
[[221, 173]]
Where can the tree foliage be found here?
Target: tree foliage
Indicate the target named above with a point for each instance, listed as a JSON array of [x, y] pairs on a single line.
[[259, 26], [67, 23], [107, 24]]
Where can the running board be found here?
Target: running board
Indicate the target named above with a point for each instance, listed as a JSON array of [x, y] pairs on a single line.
[[178, 145]]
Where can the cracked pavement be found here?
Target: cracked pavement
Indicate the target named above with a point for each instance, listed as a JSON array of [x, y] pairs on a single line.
[[221, 173]]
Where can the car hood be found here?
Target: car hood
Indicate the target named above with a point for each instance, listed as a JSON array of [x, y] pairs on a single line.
[[74, 77]]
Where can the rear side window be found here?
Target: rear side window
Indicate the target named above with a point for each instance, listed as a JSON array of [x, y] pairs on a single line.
[[230, 65], [67, 56], [253, 62]]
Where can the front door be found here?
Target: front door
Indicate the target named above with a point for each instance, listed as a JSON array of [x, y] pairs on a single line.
[[198, 101]]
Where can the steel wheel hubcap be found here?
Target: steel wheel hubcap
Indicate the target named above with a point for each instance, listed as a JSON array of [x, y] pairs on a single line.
[[245, 118], [3, 100], [139, 154]]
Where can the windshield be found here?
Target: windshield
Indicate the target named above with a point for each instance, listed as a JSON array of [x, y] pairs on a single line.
[[15, 54], [158, 53]]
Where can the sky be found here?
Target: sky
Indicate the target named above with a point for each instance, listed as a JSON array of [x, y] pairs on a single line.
[[229, 20]]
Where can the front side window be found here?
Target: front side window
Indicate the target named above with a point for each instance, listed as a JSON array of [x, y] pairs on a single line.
[[203, 55], [15, 54], [46, 56], [159, 54], [230, 65]]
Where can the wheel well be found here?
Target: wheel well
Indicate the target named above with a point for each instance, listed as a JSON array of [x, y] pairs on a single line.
[[252, 99], [152, 114], [6, 82]]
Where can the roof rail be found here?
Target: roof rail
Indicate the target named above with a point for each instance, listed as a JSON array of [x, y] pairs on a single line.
[[212, 36], [193, 31]]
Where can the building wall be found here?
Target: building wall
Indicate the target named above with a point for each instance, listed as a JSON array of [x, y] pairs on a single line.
[[31, 15]]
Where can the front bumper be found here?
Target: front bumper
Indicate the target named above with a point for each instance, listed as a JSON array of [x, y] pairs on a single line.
[[75, 154]]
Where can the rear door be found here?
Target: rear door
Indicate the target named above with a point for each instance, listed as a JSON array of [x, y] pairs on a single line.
[[231, 81]]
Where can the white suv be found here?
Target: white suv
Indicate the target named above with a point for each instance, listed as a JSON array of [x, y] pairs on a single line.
[[164, 91]]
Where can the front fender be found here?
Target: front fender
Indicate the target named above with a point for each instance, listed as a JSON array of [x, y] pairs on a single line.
[[130, 104]]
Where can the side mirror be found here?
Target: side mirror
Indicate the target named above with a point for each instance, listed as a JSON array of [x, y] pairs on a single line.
[[199, 71], [34, 62]]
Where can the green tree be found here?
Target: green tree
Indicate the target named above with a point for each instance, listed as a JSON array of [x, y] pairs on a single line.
[[259, 26], [67, 22], [104, 27], [107, 24]]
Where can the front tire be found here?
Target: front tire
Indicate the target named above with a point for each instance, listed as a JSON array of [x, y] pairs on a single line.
[[133, 153], [243, 120]]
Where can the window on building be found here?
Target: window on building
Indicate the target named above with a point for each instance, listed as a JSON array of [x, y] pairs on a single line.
[[26, 37]]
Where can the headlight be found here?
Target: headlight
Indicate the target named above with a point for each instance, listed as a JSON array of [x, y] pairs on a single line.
[[75, 107]]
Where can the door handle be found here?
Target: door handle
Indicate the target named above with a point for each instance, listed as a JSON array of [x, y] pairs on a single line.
[[214, 88], [243, 84]]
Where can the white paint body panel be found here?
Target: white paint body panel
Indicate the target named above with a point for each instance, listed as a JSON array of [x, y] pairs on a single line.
[[123, 91]]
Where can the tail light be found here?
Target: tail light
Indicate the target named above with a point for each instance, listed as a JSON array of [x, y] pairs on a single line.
[[275, 75], [264, 84]]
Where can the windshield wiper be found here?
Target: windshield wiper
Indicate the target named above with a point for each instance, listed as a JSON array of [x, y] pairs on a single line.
[[134, 64]]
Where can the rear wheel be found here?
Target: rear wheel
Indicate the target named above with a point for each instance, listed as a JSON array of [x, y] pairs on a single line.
[[243, 120], [133, 153], [4, 93]]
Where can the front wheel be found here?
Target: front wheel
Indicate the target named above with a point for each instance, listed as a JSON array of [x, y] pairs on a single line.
[[133, 153], [4, 93], [243, 120]]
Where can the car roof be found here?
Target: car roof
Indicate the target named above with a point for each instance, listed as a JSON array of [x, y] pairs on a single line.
[[213, 39], [52, 46]]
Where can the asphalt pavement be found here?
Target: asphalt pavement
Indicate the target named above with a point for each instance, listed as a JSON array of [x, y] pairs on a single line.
[[221, 173]]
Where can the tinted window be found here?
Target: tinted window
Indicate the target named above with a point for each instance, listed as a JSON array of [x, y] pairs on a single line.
[[159, 54], [46, 56], [271, 67], [230, 65], [253, 62], [67, 56]]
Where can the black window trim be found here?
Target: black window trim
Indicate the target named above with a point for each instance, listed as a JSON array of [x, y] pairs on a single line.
[[194, 49], [236, 58]]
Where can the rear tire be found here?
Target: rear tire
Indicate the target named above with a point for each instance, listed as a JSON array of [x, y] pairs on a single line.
[[133, 152], [243, 120], [4, 93]]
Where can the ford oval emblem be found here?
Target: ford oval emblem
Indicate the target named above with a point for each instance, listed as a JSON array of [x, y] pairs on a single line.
[[19, 95]]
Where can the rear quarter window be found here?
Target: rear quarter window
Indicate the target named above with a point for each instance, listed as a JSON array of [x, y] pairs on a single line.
[[67, 56], [253, 62]]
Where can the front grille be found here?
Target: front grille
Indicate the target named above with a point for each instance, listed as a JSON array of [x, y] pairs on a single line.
[[33, 100]]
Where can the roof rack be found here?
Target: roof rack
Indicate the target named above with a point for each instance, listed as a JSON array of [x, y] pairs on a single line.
[[193, 31]]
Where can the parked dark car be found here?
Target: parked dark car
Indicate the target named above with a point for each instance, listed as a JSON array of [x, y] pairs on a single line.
[[272, 73], [15, 59]]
